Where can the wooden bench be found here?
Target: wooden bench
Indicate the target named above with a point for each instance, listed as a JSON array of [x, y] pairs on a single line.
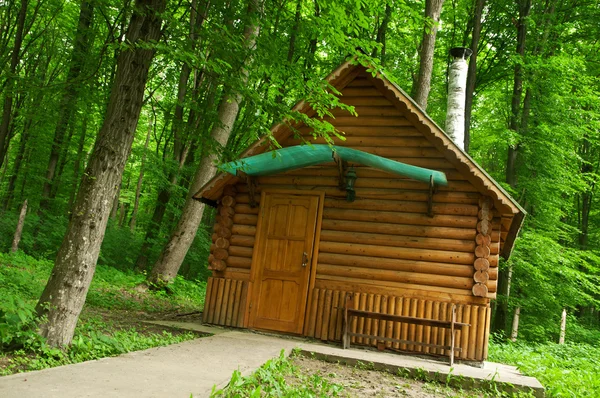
[[350, 312]]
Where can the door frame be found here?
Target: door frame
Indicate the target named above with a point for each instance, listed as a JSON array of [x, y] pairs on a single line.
[[315, 252]]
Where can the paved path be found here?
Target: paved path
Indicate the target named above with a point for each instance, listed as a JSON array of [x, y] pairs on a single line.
[[178, 370], [194, 367]]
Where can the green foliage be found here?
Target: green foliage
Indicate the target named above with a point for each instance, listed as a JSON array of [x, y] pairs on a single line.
[[270, 381], [23, 278], [568, 370]]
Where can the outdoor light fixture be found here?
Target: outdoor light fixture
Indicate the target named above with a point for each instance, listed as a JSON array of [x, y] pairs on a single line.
[[350, 180]]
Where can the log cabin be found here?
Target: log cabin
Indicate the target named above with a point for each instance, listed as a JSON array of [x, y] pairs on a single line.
[[395, 215]]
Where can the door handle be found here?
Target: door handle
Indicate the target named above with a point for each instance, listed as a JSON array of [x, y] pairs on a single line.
[[304, 259]]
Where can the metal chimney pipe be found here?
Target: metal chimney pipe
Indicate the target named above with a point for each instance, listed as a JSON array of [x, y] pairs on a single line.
[[457, 87]]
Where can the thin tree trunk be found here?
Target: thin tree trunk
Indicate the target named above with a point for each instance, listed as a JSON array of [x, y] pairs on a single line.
[[12, 180], [19, 230], [138, 189], [10, 83], [174, 252], [433, 9], [382, 32], [501, 306], [69, 98], [515, 325], [179, 150], [472, 73], [77, 164], [64, 295], [563, 326]]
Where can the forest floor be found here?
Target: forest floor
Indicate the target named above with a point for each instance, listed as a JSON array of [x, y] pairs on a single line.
[[113, 320]]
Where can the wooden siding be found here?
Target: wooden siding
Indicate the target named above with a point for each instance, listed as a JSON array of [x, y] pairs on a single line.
[[225, 302], [324, 322]]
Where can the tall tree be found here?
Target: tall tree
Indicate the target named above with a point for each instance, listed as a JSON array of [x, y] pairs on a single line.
[[166, 267], [64, 295], [421, 88], [472, 72], [10, 82]]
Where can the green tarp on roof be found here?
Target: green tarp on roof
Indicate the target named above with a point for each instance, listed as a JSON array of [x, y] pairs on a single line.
[[299, 156]]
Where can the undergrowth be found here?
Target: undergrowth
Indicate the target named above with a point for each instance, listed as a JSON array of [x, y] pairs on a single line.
[[566, 370], [22, 279], [271, 380]]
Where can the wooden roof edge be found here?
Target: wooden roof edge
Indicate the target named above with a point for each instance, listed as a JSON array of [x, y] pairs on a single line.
[[488, 182], [511, 237], [279, 131]]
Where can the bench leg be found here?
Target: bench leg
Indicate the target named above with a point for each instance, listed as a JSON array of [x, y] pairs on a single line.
[[345, 338]]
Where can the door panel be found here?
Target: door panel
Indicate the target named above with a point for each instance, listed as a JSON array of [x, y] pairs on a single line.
[[280, 290]]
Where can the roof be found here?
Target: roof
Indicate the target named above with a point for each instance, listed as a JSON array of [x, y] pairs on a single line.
[[339, 78]]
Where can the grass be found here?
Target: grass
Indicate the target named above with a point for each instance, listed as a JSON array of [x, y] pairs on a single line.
[[567, 370], [110, 324], [272, 380]]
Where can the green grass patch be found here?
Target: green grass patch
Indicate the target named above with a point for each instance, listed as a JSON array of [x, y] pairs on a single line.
[[273, 380], [567, 370], [100, 332]]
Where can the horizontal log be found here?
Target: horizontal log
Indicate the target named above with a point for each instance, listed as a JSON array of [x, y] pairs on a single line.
[[424, 267], [480, 290], [481, 277], [361, 183], [216, 264], [411, 142], [482, 251], [397, 229], [482, 264], [239, 262], [221, 243], [246, 209], [402, 206], [484, 227], [214, 237], [371, 121], [242, 240], [362, 131], [359, 101], [360, 82], [330, 170], [220, 254], [368, 111], [458, 296], [245, 219], [227, 222], [228, 201], [245, 198], [488, 215], [399, 218], [467, 246], [240, 251], [226, 212], [239, 274], [397, 252], [245, 230], [361, 92], [222, 231], [485, 240]]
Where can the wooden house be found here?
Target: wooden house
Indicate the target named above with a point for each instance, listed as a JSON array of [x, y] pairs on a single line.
[[292, 241]]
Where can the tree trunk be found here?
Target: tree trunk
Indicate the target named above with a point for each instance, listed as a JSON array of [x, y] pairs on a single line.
[[382, 32], [179, 149], [64, 295], [563, 326], [433, 9], [501, 315], [472, 73], [138, 189], [166, 267], [78, 159], [515, 325], [19, 230], [10, 82], [69, 98]]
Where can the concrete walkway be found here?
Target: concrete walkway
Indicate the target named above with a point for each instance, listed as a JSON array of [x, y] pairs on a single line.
[[194, 367]]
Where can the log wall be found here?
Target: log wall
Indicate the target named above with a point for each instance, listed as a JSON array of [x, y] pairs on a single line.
[[225, 302], [383, 247]]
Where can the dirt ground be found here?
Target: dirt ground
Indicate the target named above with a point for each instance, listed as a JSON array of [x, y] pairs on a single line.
[[361, 382]]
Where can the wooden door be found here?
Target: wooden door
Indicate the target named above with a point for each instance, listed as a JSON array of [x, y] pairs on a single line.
[[285, 241]]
